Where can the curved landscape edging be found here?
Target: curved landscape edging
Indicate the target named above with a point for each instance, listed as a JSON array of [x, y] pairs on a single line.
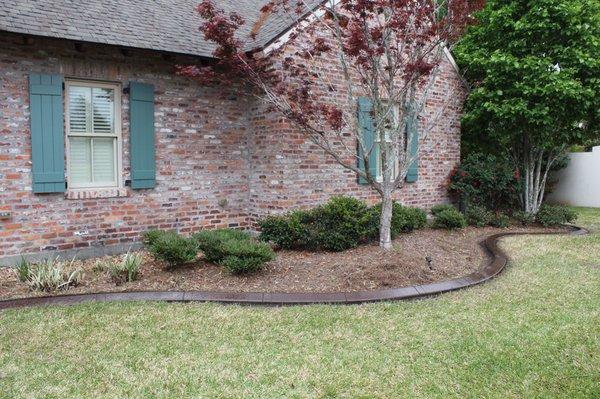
[[498, 262]]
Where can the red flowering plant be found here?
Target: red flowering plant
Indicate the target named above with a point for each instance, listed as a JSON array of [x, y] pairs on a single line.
[[336, 52], [487, 181]]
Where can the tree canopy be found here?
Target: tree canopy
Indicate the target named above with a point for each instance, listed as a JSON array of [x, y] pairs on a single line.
[[535, 70]]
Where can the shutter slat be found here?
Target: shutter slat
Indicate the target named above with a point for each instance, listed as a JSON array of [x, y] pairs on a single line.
[[47, 135], [141, 125], [365, 121]]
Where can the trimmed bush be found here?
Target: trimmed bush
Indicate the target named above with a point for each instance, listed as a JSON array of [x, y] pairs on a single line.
[[174, 249], [151, 236], [449, 219], [404, 220], [478, 216], [437, 209], [555, 215], [500, 220], [289, 231], [524, 218], [234, 249], [340, 224]]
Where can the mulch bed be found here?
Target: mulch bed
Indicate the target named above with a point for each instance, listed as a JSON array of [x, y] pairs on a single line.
[[453, 254]]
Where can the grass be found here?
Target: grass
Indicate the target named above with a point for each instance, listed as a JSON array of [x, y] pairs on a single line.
[[534, 332]]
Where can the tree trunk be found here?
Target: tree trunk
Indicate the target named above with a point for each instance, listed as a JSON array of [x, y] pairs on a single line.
[[385, 222], [536, 165]]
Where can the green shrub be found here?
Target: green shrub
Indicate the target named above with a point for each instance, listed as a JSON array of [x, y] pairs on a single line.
[[245, 256], [478, 216], [485, 180], [340, 224], [524, 218], [500, 220], [449, 219], [437, 209], [404, 220], [53, 275], [152, 236], [291, 231], [554, 215], [22, 269], [234, 249], [127, 269], [174, 249]]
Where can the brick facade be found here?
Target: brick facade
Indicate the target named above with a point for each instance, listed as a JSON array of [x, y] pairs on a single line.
[[222, 160]]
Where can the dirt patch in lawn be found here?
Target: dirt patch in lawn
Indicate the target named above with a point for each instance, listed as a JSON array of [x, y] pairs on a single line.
[[452, 254]]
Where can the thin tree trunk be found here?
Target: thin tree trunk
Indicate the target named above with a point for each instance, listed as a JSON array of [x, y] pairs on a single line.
[[385, 221]]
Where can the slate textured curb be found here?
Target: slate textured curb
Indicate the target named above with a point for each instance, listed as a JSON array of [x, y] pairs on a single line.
[[490, 244]]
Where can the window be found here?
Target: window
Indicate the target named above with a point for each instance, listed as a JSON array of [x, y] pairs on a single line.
[[93, 134], [388, 139]]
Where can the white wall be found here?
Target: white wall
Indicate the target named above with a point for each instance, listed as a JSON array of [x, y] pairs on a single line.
[[579, 183]]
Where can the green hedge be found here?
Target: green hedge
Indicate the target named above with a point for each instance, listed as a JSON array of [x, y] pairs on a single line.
[[233, 249]]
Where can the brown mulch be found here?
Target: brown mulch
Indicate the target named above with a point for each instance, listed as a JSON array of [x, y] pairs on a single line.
[[453, 254]]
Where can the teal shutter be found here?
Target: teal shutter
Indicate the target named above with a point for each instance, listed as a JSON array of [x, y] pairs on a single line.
[[365, 122], [47, 133], [141, 135], [412, 127]]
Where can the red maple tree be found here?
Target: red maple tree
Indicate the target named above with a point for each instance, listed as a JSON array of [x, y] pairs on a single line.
[[386, 53]]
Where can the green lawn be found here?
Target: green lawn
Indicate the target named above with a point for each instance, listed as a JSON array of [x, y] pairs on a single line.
[[532, 332]]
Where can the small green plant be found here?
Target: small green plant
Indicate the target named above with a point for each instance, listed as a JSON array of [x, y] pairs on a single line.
[[22, 269], [174, 250], [500, 220], [555, 215], [437, 209], [449, 219], [478, 216], [127, 269], [524, 218], [233, 249], [53, 275]]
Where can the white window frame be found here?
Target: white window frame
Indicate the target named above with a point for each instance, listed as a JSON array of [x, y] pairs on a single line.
[[379, 177], [116, 87]]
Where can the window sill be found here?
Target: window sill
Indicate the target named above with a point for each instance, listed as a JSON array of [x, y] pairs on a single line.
[[91, 193]]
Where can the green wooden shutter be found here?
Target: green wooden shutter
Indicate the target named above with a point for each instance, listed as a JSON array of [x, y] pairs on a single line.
[[141, 135], [365, 122], [412, 127], [47, 133]]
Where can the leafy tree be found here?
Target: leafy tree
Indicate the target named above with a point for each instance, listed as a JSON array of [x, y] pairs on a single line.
[[535, 70], [387, 51]]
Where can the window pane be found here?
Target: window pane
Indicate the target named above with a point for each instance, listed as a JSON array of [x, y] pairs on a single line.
[[104, 160], [80, 158], [80, 99], [103, 107]]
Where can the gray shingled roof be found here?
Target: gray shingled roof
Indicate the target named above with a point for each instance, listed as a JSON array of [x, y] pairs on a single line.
[[165, 25]]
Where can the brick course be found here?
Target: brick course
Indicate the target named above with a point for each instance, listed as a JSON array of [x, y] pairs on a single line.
[[222, 159]]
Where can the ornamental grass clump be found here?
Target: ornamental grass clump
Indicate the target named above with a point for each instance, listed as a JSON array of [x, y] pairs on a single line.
[[53, 275], [127, 269], [22, 269], [236, 250]]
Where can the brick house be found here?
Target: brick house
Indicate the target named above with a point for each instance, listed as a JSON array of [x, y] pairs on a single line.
[[100, 140]]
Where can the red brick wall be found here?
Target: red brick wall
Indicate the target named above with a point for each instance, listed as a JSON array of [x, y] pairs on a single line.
[[221, 159]]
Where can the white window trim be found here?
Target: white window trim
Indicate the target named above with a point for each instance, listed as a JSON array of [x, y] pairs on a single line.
[[379, 177], [118, 134]]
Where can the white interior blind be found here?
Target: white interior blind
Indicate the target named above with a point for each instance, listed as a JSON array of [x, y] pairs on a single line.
[[92, 136]]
